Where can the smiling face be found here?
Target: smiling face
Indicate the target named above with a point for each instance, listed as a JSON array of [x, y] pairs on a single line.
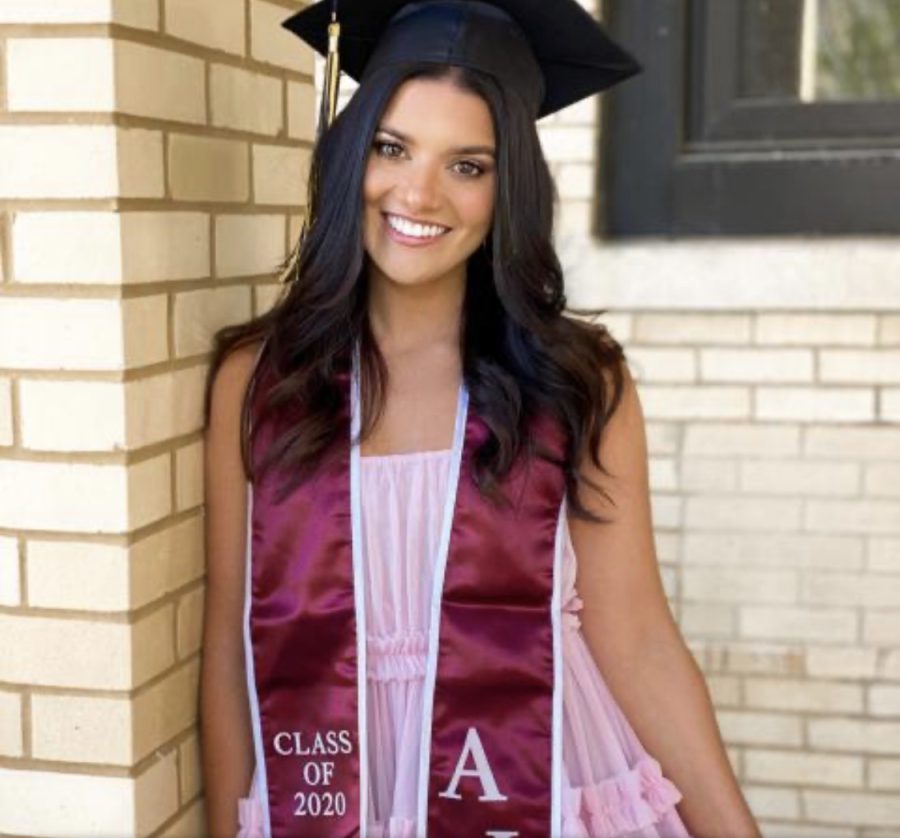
[[429, 184]]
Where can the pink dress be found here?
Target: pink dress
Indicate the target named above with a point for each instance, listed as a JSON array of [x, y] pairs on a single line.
[[611, 785]]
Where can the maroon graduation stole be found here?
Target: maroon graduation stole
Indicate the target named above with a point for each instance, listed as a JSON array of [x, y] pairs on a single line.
[[492, 717]]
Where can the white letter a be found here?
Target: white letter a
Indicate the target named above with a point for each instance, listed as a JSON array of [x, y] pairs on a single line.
[[482, 770]]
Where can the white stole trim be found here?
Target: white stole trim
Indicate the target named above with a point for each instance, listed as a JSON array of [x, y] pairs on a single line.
[[556, 616], [437, 590], [262, 788], [359, 599]]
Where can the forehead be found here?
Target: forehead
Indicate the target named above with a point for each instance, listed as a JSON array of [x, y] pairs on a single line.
[[439, 110]]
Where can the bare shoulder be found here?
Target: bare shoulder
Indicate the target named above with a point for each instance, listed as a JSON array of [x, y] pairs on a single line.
[[231, 380]]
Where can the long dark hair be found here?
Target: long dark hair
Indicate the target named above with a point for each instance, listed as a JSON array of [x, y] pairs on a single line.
[[522, 353]]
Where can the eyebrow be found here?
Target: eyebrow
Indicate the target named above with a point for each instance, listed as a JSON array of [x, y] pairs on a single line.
[[468, 149]]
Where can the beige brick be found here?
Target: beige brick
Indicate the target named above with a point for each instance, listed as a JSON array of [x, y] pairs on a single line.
[[837, 662], [11, 742], [806, 550], [6, 414], [859, 808], [125, 247], [742, 513], [816, 329], [45, 651], [189, 627], [881, 591], [815, 404], [712, 439], [884, 700], [83, 804], [687, 328], [301, 99], [663, 472], [198, 314], [165, 709], [189, 476], [889, 664], [79, 728], [854, 735], [764, 659], [724, 689], [61, 496], [797, 623], [756, 365], [881, 627], [855, 366], [775, 766], [662, 364], [882, 479], [122, 577], [190, 823], [167, 560], [218, 24], [208, 169], [156, 794], [779, 829], [9, 572], [56, 571], [265, 296], [142, 14], [163, 406], [707, 620], [760, 728], [272, 43], [867, 517], [708, 475], [800, 477], [99, 74], [884, 774], [803, 694], [246, 100], [83, 333], [884, 555], [869, 443], [889, 331], [72, 415], [248, 245], [80, 161], [738, 586], [60, 74], [689, 402], [890, 405], [771, 801], [190, 775], [280, 174]]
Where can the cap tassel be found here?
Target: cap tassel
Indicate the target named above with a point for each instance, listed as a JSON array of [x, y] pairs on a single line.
[[328, 106]]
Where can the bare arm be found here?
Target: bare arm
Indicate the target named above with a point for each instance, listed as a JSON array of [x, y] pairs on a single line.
[[226, 743], [636, 642]]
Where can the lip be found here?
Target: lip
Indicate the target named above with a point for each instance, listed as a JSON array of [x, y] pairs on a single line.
[[409, 241]]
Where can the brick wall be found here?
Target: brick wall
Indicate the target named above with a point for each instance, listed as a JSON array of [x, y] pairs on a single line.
[[769, 372], [152, 165]]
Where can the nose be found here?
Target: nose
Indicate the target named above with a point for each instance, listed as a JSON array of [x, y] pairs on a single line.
[[420, 190]]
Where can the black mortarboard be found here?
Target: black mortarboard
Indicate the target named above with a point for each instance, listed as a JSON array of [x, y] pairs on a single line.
[[551, 52]]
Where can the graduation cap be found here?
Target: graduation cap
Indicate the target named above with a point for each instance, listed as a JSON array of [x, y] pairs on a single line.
[[551, 53]]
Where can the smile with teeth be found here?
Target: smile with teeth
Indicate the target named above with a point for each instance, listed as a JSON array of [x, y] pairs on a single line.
[[410, 228]]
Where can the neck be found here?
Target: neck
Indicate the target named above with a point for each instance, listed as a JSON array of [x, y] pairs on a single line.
[[416, 317]]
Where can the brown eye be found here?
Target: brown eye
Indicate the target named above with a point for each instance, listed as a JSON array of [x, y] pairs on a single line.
[[381, 145], [474, 169]]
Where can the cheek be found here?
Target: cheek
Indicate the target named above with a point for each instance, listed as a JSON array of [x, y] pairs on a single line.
[[476, 206]]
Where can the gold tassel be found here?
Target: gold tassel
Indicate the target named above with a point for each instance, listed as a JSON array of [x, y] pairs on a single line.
[[332, 73]]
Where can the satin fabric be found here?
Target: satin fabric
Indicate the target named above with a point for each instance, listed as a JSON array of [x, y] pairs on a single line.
[[494, 668]]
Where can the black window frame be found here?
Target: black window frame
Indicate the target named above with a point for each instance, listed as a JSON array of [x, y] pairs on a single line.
[[682, 155]]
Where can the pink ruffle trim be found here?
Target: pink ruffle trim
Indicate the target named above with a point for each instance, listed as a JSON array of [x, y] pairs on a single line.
[[397, 657], [620, 804], [610, 808]]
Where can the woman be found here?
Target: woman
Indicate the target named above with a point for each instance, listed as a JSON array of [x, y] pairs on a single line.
[[422, 427]]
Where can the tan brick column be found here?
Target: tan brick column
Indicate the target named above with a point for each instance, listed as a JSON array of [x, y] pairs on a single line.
[[153, 156]]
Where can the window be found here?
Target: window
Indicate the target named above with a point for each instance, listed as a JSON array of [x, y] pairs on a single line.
[[754, 117]]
